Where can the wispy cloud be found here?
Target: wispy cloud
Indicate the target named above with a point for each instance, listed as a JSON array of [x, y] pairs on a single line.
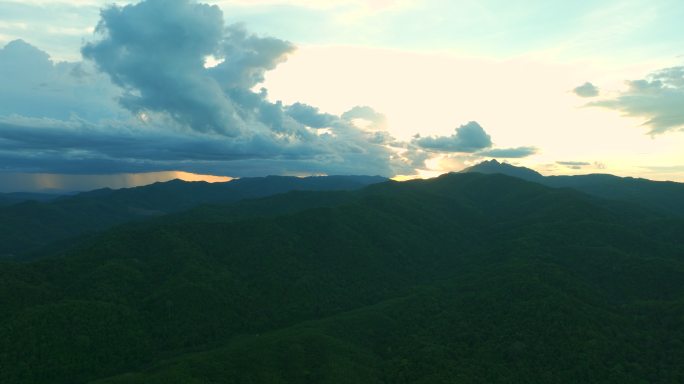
[[509, 153]]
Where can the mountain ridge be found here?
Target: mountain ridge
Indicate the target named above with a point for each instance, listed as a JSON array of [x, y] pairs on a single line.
[[469, 276], [665, 197], [29, 225]]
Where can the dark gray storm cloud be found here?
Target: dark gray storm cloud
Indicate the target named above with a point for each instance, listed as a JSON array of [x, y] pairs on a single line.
[[509, 153], [77, 146], [586, 90], [247, 57], [470, 137], [156, 51], [170, 86], [310, 116], [658, 99], [145, 99]]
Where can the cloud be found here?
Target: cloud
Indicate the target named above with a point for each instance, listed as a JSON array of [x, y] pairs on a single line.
[[374, 119], [156, 50], [659, 99], [310, 116], [586, 90], [573, 164], [18, 56], [416, 157], [470, 142], [509, 153], [470, 137], [143, 101], [79, 147], [31, 84]]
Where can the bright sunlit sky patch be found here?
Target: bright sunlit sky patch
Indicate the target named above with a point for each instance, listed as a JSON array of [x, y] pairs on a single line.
[[383, 86]]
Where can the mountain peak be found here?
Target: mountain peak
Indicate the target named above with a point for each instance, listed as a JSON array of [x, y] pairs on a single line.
[[494, 166]]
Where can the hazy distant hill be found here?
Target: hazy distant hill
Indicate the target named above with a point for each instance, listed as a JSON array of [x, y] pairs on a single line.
[[463, 278], [31, 224], [18, 197], [661, 196]]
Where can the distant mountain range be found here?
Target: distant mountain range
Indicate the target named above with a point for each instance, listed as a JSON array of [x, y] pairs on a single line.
[[662, 196], [30, 221], [32, 224], [464, 278], [19, 197]]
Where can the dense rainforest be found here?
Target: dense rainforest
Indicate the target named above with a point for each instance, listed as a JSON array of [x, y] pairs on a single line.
[[465, 278], [29, 222]]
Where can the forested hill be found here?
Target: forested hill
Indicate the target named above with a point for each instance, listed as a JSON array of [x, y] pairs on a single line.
[[466, 278], [20, 197], [32, 224], [661, 196]]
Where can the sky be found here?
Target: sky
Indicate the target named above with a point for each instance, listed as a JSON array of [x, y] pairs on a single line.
[[99, 93]]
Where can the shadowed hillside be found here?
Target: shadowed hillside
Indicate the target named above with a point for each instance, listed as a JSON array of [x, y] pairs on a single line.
[[20, 197], [32, 224], [462, 278]]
